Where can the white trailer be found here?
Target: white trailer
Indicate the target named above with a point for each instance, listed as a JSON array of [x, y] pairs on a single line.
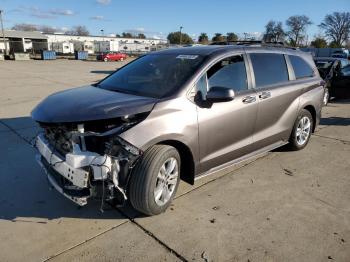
[[27, 44], [63, 47], [106, 46], [135, 47], [89, 47], [2, 46], [84, 46]]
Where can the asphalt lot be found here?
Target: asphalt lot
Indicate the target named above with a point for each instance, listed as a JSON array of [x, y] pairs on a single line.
[[283, 206]]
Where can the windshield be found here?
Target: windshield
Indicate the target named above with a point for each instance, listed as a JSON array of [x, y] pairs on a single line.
[[155, 75]]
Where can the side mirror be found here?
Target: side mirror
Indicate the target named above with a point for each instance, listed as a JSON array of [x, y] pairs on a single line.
[[220, 94]]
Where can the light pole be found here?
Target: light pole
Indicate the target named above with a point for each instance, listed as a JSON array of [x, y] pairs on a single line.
[[102, 39], [3, 32], [180, 34], [102, 33]]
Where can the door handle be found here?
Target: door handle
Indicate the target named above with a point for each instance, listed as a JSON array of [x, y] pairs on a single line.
[[265, 95], [249, 99]]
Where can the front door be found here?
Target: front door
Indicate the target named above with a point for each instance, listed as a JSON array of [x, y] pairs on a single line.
[[225, 128]]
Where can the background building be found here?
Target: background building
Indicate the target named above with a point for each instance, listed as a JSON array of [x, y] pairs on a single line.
[[34, 42], [23, 41]]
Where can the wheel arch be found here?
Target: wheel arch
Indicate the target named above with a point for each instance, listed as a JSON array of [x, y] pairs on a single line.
[[187, 171], [312, 111]]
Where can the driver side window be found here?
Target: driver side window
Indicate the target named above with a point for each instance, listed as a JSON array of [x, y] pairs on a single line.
[[229, 73]]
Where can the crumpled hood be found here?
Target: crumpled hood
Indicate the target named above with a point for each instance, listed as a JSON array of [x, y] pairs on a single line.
[[89, 103]]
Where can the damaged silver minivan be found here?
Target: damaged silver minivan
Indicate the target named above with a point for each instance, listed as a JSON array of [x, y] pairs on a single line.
[[175, 114]]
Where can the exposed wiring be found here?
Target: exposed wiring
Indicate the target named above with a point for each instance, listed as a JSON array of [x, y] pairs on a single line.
[[103, 182], [32, 141]]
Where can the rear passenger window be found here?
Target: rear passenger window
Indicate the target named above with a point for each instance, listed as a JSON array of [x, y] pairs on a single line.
[[301, 67], [230, 73], [269, 69]]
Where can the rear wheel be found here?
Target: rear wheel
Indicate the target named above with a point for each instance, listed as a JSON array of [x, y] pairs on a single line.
[[121, 59], [105, 59], [155, 179], [302, 130]]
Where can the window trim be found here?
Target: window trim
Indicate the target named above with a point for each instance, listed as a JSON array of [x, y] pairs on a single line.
[[271, 85]]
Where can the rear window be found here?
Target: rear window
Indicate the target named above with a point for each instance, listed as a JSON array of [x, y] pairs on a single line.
[[301, 68], [269, 69]]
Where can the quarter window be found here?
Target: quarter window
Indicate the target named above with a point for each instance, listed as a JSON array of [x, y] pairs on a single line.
[[201, 86], [229, 73], [269, 69], [301, 68]]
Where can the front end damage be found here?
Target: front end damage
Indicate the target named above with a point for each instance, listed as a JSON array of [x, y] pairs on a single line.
[[88, 160]]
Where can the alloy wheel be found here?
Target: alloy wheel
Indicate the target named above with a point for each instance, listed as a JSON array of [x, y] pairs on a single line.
[[303, 130], [166, 181]]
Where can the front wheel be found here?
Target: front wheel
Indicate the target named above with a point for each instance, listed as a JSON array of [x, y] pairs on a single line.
[[302, 130], [155, 179], [105, 59]]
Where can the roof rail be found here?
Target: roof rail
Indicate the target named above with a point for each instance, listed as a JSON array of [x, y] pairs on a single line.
[[254, 42]]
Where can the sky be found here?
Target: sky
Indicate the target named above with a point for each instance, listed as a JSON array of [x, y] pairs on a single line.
[[156, 18]]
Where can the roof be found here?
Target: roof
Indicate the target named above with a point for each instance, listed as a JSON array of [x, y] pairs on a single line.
[[221, 49], [198, 50], [23, 34]]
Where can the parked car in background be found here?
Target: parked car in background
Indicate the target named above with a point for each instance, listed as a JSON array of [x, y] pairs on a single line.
[[176, 114], [336, 73], [327, 52], [341, 54], [112, 56]]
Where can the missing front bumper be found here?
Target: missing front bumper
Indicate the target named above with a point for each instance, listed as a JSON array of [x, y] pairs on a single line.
[[80, 175], [77, 195], [68, 175]]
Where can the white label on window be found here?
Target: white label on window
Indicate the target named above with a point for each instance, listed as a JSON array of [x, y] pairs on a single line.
[[187, 56]]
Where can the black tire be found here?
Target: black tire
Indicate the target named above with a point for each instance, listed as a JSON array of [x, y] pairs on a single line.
[[293, 140], [143, 179]]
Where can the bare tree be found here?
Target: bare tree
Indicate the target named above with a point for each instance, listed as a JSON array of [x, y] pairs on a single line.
[[47, 29], [297, 26], [337, 27], [80, 30], [25, 27], [274, 32]]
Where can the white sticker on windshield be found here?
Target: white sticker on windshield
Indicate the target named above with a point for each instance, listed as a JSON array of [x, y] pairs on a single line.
[[187, 56]]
